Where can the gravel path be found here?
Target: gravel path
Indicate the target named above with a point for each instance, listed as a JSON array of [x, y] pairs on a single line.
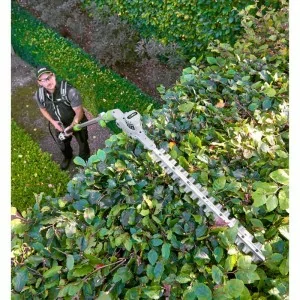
[[28, 116]]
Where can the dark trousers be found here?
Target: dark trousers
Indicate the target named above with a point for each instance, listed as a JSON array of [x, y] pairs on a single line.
[[82, 140]]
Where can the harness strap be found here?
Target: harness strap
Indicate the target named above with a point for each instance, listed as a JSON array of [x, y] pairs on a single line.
[[41, 96], [64, 93]]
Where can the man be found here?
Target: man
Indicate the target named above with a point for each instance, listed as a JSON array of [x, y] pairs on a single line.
[[61, 105]]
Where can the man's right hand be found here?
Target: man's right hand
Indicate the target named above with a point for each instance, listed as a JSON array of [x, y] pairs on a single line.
[[57, 126]]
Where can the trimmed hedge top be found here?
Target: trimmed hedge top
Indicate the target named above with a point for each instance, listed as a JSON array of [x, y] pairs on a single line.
[[32, 170]]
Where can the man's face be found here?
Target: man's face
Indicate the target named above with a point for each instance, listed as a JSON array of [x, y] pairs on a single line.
[[48, 81]]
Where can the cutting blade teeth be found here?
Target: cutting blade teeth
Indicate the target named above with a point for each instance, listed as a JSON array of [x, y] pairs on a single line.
[[219, 206], [190, 179], [187, 189], [211, 199], [181, 183], [204, 192], [245, 234], [246, 249], [174, 177], [258, 246], [226, 213], [200, 194], [194, 196], [207, 209], [173, 162], [257, 259]]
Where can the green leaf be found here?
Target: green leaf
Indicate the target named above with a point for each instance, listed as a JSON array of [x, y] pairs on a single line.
[[280, 176], [267, 187], [20, 280], [201, 291], [74, 288], [79, 161], [70, 261], [104, 296], [89, 215], [219, 183], [267, 103], [283, 198], [101, 155], [152, 256], [186, 107], [123, 274], [156, 242], [18, 227], [35, 260], [80, 205], [270, 92], [82, 270], [218, 253], [244, 262], [235, 287], [165, 250], [158, 270], [153, 292], [231, 233], [257, 223], [92, 160], [211, 60], [82, 243], [284, 267], [259, 197], [216, 274], [183, 278], [51, 272], [272, 202], [230, 262], [132, 294], [247, 276], [128, 243]]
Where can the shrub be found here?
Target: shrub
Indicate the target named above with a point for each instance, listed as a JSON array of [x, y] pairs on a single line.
[[152, 49], [113, 41], [190, 25], [126, 230], [32, 170], [63, 16]]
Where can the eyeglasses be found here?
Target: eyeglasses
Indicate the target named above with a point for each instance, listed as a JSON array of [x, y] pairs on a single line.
[[47, 78]]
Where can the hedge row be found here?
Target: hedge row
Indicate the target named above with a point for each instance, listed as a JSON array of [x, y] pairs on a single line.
[[32, 170], [192, 25], [100, 88]]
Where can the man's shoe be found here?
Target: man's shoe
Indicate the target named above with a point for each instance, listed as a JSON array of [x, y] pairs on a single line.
[[65, 163]]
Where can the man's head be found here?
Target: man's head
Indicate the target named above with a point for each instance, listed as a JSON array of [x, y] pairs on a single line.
[[46, 78]]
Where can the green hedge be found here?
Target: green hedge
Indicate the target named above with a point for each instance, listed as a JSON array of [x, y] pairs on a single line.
[[126, 230], [191, 24], [32, 171], [100, 88]]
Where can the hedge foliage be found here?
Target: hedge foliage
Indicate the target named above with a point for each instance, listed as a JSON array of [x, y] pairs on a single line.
[[100, 88], [32, 171], [126, 230], [192, 24]]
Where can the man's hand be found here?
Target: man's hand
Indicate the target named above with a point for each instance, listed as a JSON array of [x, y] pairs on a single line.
[[57, 125], [66, 131]]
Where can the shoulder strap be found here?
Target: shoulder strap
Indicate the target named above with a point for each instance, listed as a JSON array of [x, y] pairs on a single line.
[[41, 96], [64, 92]]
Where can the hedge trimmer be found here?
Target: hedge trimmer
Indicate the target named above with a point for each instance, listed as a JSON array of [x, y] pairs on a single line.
[[130, 123]]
